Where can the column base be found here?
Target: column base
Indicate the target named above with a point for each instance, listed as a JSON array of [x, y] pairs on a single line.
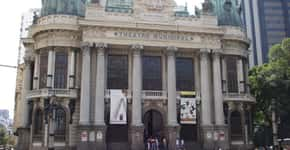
[[173, 135], [137, 137], [92, 137], [23, 142], [221, 137], [207, 137]]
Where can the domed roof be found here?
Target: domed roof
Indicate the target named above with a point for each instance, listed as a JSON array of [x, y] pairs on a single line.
[[69, 7], [227, 12]]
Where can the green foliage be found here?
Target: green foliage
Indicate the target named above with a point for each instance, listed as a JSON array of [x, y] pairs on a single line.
[[271, 82], [3, 137]]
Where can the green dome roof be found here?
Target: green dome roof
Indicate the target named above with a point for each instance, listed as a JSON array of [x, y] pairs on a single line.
[[227, 12], [68, 7]]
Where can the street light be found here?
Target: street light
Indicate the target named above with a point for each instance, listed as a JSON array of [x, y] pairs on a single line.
[[50, 107]]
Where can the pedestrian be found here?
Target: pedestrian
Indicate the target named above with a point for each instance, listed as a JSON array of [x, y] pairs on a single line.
[[182, 144], [156, 143], [177, 144]]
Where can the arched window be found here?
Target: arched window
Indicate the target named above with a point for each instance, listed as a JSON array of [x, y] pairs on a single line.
[[60, 73], [43, 69], [236, 126], [60, 122], [38, 122], [232, 74]]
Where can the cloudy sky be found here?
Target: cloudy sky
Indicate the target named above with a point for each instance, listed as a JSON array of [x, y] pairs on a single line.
[[10, 14]]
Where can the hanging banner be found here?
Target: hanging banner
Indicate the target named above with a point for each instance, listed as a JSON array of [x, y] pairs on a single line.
[[187, 110], [118, 107]]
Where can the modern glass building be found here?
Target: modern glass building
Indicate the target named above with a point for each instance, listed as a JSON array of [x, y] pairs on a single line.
[[267, 23]]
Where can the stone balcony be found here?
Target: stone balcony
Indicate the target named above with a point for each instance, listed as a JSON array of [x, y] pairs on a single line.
[[154, 95], [243, 97], [65, 93], [128, 94], [146, 94]]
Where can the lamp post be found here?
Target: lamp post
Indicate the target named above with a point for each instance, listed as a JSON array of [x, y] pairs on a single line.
[[50, 106]]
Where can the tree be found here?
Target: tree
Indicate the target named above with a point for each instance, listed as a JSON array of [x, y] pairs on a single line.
[[270, 84], [3, 136]]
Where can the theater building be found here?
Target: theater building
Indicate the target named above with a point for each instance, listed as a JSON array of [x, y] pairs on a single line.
[[108, 75]]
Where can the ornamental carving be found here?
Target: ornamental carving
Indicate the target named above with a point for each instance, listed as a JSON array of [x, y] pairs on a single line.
[[155, 4], [57, 38]]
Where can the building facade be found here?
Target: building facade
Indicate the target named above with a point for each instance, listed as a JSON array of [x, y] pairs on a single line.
[[267, 23], [111, 74]]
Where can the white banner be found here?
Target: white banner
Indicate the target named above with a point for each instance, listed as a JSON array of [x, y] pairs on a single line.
[[118, 107], [187, 110]]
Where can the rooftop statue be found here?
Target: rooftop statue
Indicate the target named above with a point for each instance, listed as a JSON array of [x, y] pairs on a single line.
[[69, 7], [227, 12]]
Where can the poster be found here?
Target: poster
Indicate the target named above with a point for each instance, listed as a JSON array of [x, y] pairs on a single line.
[[187, 110], [118, 107]]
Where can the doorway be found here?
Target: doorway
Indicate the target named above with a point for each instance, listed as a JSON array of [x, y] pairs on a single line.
[[153, 123]]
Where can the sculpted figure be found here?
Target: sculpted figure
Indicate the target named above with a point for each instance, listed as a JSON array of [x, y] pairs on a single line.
[[227, 12]]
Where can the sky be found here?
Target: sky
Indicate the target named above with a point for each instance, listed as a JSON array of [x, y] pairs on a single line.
[[10, 14]]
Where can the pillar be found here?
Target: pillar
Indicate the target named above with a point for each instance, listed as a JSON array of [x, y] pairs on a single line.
[[100, 86], [99, 119], [173, 127], [85, 127], [137, 128], [85, 84], [50, 65], [220, 127], [36, 72], [224, 75], [206, 123], [218, 97], [23, 130], [241, 78], [72, 66], [171, 86]]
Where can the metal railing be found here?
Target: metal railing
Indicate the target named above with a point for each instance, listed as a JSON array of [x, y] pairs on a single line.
[[70, 93]]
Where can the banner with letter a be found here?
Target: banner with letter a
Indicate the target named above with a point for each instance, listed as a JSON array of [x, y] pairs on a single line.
[[187, 110], [118, 107]]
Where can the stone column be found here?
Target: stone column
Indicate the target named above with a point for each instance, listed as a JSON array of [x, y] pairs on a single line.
[[218, 97], [50, 65], [72, 66], [224, 75], [241, 79], [173, 127], [206, 123], [85, 127], [85, 85], [99, 117], [100, 86], [220, 127], [137, 128], [36, 72], [197, 75], [23, 130], [171, 86]]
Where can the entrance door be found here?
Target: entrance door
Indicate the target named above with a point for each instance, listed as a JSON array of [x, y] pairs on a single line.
[[153, 122]]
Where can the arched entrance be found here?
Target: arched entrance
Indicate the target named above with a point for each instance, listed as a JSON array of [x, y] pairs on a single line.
[[153, 123]]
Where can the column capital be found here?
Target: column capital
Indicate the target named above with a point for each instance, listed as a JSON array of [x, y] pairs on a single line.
[[217, 51], [137, 47], [101, 45], [85, 47], [204, 52], [27, 60], [171, 50]]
